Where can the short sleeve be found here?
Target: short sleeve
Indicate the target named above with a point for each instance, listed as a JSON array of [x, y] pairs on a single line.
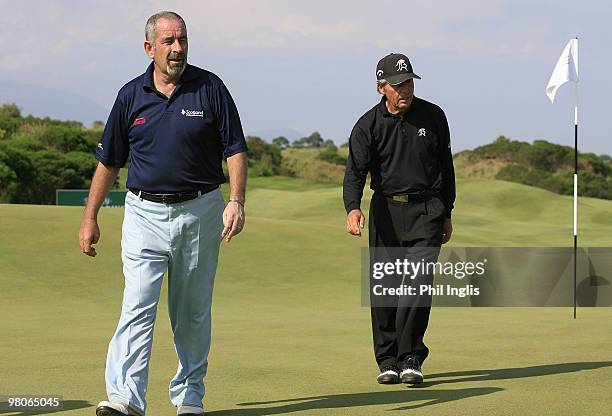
[[228, 121], [113, 148]]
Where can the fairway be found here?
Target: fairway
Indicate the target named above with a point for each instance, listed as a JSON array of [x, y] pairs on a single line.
[[289, 334]]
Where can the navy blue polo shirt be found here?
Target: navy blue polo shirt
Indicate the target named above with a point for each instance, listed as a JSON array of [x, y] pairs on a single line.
[[176, 144]]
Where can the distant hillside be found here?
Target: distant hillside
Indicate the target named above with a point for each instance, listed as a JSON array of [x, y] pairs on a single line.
[[541, 164]]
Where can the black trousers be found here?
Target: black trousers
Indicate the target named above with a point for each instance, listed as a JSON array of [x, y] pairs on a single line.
[[398, 330]]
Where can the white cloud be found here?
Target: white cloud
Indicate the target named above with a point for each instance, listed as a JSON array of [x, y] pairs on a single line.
[[59, 32]]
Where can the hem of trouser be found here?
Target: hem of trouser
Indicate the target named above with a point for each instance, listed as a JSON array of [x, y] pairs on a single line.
[[133, 410], [190, 405], [387, 363], [405, 361]]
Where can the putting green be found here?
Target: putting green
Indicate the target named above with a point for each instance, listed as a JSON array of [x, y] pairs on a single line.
[[289, 334]]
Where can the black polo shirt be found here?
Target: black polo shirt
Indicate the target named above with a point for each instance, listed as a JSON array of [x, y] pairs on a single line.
[[176, 144], [404, 154]]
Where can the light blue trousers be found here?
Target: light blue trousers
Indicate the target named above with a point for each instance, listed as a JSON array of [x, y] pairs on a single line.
[[184, 240]]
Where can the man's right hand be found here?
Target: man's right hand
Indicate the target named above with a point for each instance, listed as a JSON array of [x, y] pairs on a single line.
[[89, 234], [355, 221]]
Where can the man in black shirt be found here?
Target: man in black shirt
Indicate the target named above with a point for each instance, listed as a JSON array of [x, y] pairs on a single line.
[[404, 143]]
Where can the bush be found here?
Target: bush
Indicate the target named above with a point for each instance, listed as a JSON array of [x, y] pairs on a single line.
[[303, 163], [330, 154], [29, 174], [10, 119], [65, 139], [547, 165], [8, 179], [502, 147], [263, 167], [264, 158], [561, 184]]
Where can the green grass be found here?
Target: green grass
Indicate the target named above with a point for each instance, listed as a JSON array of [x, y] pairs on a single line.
[[284, 183], [290, 336]]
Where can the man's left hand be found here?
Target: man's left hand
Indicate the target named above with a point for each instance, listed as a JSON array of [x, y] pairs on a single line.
[[233, 220], [447, 230]]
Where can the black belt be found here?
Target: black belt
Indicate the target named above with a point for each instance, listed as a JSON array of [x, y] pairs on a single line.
[[413, 197], [173, 198]]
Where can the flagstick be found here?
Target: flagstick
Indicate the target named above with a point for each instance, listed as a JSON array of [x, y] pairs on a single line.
[[575, 202], [575, 187]]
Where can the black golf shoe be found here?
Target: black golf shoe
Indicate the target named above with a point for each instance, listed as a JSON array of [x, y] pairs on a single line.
[[388, 375], [411, 371]]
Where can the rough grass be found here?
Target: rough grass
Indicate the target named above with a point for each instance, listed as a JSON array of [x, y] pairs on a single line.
[[303, 163]]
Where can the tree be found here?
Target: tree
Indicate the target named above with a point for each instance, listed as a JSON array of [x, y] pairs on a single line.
[[329, 143], [281, 142], [10, 110], [300, 143], [314, 140]]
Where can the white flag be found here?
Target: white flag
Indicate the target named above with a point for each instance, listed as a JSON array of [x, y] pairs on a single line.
[[565, 70]]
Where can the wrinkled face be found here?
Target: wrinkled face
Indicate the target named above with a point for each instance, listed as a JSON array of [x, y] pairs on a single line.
[[399, 97], [169, 48]]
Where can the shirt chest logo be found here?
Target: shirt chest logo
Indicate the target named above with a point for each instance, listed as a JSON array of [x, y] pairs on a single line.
[[192, 113], [139, 121], [422, 132]]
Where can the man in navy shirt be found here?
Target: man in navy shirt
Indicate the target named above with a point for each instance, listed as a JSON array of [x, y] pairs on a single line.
[[176, 122]]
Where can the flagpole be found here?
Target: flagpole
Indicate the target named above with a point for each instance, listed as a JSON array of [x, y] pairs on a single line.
[[575, 186], [567, 70]]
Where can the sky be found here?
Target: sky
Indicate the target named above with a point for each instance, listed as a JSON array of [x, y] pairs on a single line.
[[310, 66]]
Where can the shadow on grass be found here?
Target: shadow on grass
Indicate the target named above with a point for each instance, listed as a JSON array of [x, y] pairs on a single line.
[[68, 405], [413, 398], [512, 373], [406, 399]]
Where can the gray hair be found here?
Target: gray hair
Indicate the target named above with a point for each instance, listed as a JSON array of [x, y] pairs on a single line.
[[381, 83], [152, 23]]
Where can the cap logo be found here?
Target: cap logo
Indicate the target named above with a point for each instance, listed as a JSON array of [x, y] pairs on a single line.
[[401, 65], [379, 73]]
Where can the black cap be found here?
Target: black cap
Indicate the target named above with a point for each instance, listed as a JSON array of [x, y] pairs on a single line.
[[395, 68]]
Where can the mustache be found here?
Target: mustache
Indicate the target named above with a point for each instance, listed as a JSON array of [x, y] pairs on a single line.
[[176, 56]]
